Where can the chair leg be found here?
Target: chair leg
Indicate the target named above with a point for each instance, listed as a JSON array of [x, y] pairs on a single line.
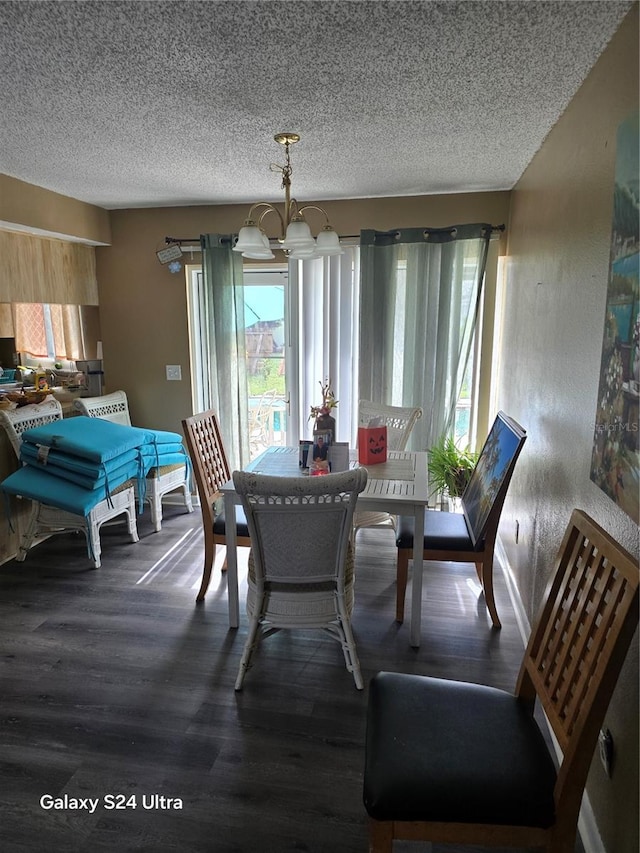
[[249, 648], [348, 644], [132, 524], [380, 836], [485, 573], [155, 502], [93, 539], [402, 574], [209, 557], [29, 534], [188, 502]]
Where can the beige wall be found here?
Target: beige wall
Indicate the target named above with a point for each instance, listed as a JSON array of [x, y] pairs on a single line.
[[143, 311], [557, 265], [35, 209]]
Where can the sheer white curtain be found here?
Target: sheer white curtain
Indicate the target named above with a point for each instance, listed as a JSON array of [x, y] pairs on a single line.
[[322, 340], [222, 343], [420, 297]]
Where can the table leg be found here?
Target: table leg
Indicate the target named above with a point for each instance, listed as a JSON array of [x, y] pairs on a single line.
[[416, 589], [232, 559]]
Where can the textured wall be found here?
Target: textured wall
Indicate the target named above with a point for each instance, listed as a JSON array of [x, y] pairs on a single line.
[[555, 291]]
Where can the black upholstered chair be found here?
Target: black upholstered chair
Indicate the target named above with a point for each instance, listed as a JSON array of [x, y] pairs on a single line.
[[460, 763], [470, 536]]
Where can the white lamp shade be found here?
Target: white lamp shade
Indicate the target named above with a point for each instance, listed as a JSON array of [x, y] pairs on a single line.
[[253, 243], [304, 254], [327, 243], [261, 254], [298, 236]]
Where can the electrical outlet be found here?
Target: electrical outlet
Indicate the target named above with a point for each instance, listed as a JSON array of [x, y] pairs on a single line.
[[174, 371], [605, 747]]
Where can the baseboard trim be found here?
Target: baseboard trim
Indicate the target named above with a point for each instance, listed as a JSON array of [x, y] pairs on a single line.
[[587, 826]]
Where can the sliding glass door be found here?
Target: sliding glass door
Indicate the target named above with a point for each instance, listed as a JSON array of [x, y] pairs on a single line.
[[265, 301]]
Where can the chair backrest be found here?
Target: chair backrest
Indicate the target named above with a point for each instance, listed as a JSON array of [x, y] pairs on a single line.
[[399, 421], [210, 466], [578, 646], [17, 421], [110, 407], [484, 496], [300, 526]]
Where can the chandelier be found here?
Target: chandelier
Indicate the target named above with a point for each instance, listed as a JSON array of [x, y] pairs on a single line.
[[295, 235]]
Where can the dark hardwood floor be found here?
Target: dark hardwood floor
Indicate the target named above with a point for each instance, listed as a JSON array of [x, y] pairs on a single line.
[[114, 682]]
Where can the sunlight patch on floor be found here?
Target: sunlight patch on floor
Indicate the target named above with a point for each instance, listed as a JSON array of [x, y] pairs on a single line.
[[218, 563], [148, 576], [465, 602]]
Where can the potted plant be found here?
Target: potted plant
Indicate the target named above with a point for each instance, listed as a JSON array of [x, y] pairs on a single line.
[[450, 467], [324, 420]]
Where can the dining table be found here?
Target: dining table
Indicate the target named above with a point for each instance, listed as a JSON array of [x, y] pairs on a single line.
[[398, 486]]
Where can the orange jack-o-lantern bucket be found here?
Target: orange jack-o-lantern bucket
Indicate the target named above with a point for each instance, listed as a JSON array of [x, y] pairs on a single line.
[[372, 445]]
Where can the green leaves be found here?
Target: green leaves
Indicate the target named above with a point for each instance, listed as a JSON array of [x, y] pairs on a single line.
[[450, 467]]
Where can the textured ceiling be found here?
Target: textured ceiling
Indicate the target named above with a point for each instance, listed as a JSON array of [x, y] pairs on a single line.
[[137, 104]]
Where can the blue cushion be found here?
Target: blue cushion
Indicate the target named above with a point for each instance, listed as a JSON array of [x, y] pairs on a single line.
[[90, 438], [153, 450], [161, 459], [161, 436], [38, 485], [109, 478], [30, 454], [157, 436], [448, 751], [443, 531]]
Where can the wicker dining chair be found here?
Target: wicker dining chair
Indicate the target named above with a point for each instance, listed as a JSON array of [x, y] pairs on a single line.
[[160, 480], [399, 421], [301, 565], [45, 519]]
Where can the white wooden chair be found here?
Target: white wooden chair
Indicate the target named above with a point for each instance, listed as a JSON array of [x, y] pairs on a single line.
[[45, 519], [399, 421], [301, 564], [161, 480]]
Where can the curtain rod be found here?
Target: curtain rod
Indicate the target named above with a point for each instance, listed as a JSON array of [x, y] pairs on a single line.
[[181, 240], [446, 230]]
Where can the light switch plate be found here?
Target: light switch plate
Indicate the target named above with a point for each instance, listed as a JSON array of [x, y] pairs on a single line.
[[174, 371]]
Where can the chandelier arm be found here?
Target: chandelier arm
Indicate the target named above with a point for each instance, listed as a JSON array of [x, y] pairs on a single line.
[[301, 210], [269, 208]]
